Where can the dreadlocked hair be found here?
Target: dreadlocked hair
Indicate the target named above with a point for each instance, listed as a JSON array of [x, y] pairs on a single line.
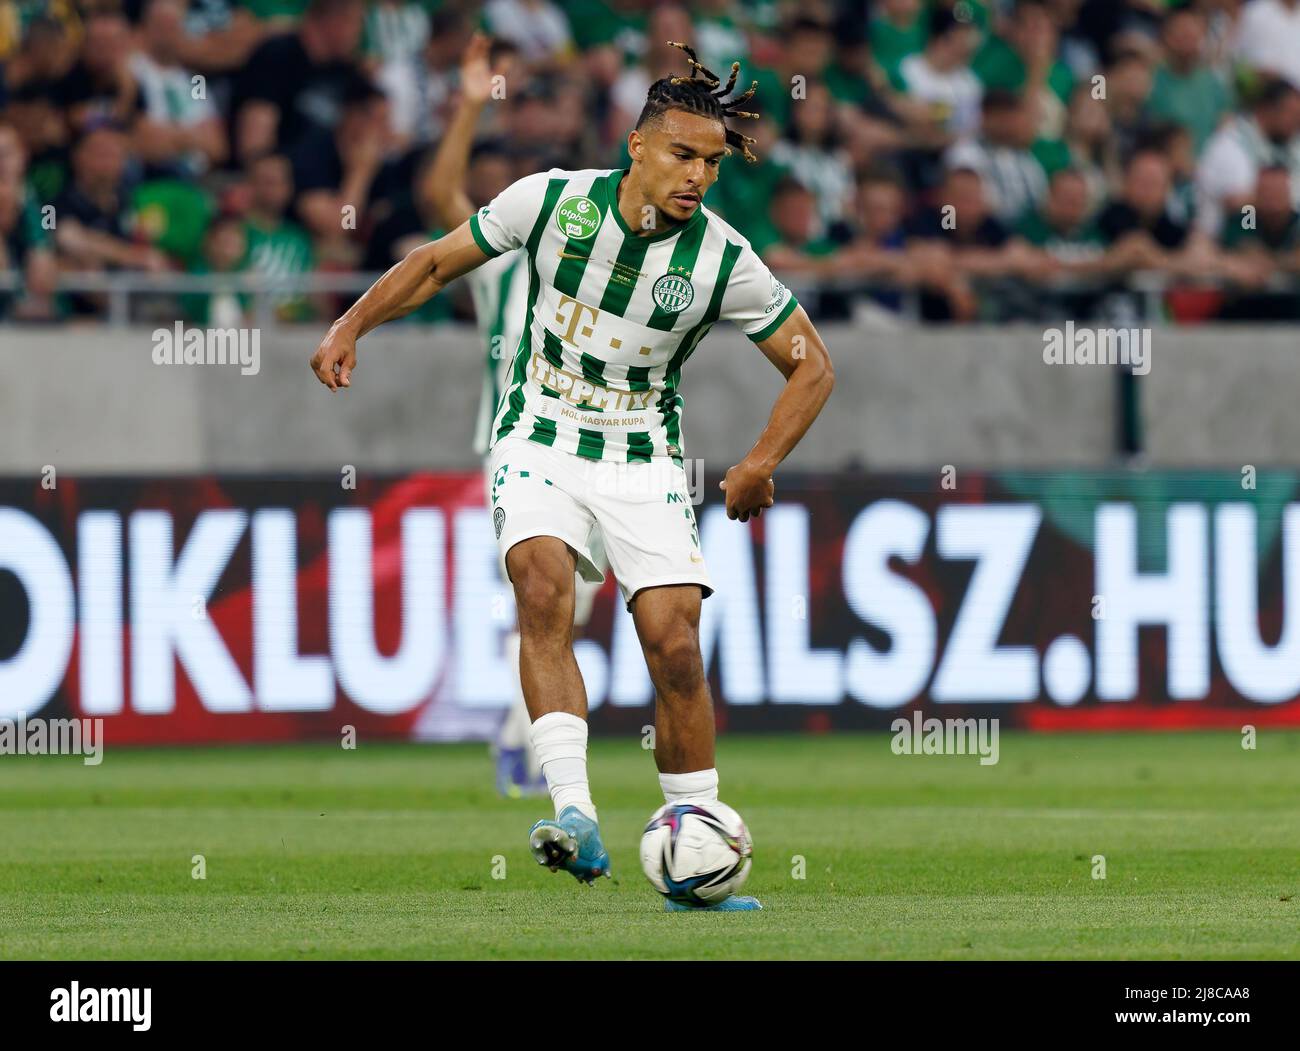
[[700, 93]]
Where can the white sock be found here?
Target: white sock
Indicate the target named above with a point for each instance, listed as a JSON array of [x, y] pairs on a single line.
[[698, 787], [561, 743]]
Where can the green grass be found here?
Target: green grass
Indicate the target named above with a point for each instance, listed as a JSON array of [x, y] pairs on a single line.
[[313, 852]]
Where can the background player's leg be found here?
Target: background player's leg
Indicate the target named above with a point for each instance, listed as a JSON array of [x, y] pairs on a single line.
[[541, 570], [667, 621]]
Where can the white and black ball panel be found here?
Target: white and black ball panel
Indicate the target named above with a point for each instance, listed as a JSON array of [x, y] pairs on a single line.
[[696, 853]]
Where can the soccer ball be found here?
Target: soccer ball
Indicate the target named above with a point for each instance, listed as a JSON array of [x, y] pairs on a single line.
[[696, 854]]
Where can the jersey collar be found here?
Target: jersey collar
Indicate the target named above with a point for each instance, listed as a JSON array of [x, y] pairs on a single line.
[[615, 179]]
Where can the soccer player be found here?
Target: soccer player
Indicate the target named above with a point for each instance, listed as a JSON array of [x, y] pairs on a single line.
[[627, 272], [499, 289]]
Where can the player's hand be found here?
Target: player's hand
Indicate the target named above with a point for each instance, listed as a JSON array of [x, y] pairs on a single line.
[[475, 74], [749, 489], [335, 359]]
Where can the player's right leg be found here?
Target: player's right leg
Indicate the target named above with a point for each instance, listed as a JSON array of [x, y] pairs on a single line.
[[543, 535]]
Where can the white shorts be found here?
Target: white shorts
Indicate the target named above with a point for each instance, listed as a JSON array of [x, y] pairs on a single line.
[[585, 591], [640, 513]]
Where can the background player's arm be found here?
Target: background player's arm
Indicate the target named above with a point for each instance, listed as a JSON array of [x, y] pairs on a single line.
[[444, 182], [421, 275], [798, 351]]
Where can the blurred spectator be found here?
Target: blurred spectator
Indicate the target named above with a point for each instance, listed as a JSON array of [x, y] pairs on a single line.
[[1184, 89], [960, 240], [180, 132], [41, 57], [1022, 58], [277, 246], [1268, 136], [25, 252], [878, 253], [1175, 142], [1014, 179], [1127, 88], [93, 228], [940, 76], [537, 28], [225, 251], [343, 172], [1268, 38], [791, 242], [898, 30], [808, 46], [220, 35], [99, 86], [420, 88], [1063, 227], [813, 149], [627, 96], [395, 31], [1264, 246], [295, 84], [1271, 233], [1139, 231], [1089, 145]]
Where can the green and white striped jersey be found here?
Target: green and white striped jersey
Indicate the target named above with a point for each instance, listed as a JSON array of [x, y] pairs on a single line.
[[612, 315], [499, 289]]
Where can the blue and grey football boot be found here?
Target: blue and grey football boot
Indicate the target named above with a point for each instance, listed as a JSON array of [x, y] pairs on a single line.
[[570, 842], [732, 903]]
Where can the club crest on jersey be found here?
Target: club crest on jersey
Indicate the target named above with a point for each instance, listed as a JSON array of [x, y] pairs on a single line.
[[673, 293], [578, 217]]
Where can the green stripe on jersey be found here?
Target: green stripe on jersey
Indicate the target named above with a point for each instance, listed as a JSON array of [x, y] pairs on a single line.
[[484, 245], [591, 443], [625, 273], [686, 252], [776, 322], [670, 400], [520, 372], [577, 251], [640, 446]]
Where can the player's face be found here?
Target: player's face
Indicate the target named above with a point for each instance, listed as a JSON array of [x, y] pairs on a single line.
[[679, 156]]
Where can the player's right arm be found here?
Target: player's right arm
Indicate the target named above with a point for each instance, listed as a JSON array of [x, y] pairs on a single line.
[[501, 226], [422, 274]]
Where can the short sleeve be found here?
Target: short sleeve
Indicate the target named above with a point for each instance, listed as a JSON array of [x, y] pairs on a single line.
[[506, 222], [755, 300]]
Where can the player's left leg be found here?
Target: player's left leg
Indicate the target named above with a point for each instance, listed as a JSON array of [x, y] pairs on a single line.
[[667, 622], [647, 521]]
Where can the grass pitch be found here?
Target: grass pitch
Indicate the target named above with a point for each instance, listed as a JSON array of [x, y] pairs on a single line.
[[390, 851]]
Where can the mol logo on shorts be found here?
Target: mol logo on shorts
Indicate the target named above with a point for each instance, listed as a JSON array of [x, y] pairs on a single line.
[[673, 293], [578, 218]]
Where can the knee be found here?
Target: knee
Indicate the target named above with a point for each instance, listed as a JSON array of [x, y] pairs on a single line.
[[543, 594], [675, 663]]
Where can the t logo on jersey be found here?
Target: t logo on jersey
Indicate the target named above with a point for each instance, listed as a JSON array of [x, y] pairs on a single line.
[[578, 218], [673, 293]]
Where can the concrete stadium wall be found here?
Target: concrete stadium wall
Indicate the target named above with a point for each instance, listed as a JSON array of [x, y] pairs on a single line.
[[91, 400]]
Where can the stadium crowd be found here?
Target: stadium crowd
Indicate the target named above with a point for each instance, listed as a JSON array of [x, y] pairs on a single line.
[[973, 160]]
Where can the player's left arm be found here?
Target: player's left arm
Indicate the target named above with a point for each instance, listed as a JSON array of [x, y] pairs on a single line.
[[798, 352]]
